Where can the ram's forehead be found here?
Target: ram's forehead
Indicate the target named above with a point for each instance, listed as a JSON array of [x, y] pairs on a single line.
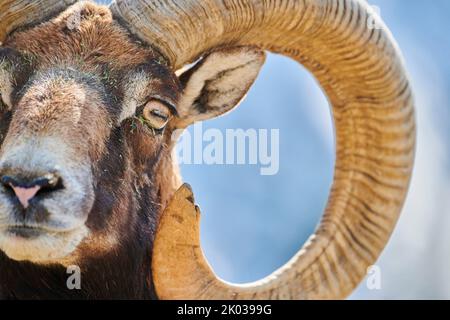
[[94, 39], [100, 46], [55, 78]]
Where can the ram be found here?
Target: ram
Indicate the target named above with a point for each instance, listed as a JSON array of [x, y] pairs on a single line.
[[92, 100]]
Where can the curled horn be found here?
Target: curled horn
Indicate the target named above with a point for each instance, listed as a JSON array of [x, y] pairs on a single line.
[[358, 64], [18, 13]]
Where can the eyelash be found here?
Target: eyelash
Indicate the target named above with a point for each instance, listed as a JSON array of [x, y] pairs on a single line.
[[159, 115]]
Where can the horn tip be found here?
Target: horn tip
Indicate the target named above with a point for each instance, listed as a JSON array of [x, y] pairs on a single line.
[[185, 191]]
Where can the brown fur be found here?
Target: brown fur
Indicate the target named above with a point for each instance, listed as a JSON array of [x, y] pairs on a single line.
[[96, 41], [99, 41]]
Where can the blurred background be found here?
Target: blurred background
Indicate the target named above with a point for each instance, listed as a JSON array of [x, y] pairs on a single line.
[[253, 224]]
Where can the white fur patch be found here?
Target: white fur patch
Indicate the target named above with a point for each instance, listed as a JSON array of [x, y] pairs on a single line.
[[68, 207], [52, 154], [134, 95], [6, 87]]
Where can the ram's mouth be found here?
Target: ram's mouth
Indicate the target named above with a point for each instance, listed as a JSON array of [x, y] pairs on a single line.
[[40, 243], [25, 232], [31, 232]]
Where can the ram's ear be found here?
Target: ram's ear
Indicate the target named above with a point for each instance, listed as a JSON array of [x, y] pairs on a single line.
[[217, 83]]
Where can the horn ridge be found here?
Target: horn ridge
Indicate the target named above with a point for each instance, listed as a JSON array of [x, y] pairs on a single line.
[[354, 57]]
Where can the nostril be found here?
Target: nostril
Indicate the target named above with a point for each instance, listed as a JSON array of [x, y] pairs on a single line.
[[7, 181], [27, 189], [50, 182]]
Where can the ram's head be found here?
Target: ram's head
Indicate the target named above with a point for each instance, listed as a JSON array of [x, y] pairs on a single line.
[[91, 100]]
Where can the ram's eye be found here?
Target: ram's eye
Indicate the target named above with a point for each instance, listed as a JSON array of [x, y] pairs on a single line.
[[156, 114]]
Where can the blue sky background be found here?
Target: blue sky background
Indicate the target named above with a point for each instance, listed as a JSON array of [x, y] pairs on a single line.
[[252, 224]]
